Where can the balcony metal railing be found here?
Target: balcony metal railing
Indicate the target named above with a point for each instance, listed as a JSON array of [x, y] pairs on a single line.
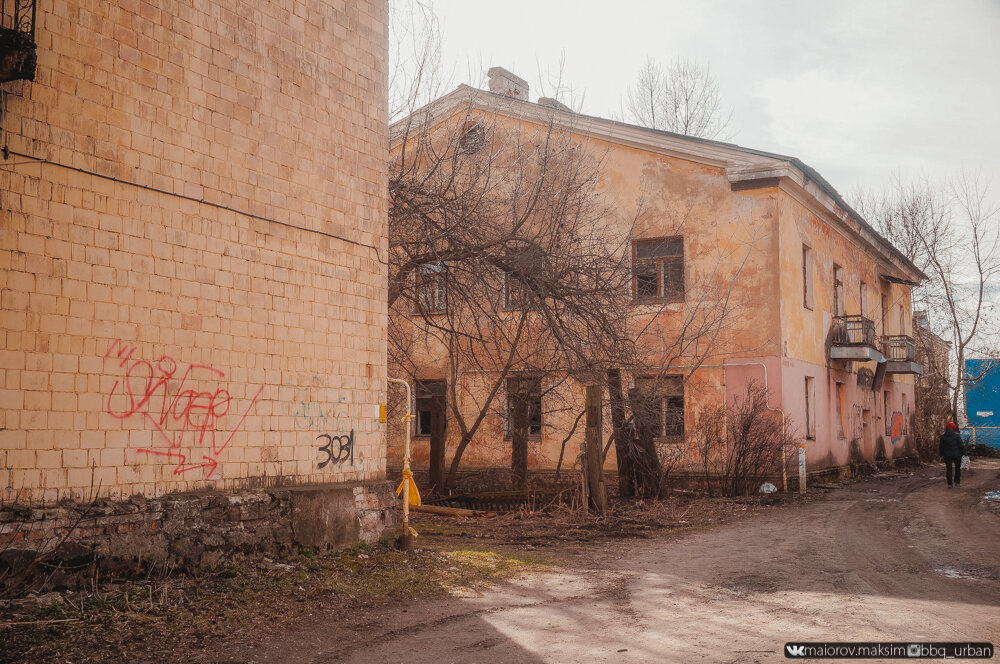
[[17, 40], [899, 348], [854, 331]]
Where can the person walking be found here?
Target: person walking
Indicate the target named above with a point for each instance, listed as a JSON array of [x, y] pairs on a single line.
[[952, 448]]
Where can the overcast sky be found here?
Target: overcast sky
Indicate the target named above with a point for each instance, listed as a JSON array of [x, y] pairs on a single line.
[[857, 89]]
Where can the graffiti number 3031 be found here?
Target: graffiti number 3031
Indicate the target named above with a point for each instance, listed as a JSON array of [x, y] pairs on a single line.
[[338, 448]]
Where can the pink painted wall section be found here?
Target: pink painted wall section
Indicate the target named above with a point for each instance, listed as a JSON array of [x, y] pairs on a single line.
[[764, 371], [859, 427], [853, 429]]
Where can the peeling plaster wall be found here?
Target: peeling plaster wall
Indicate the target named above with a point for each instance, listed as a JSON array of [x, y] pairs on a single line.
[[805, 349], [719, 225], [680, 197]]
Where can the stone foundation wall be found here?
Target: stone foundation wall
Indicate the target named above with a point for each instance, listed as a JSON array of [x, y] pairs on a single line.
[[192, 529]]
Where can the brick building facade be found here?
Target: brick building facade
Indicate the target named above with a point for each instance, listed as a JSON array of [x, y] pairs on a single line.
[[192, 233]]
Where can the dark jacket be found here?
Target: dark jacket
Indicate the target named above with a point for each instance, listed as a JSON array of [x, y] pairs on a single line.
[[951, 444]]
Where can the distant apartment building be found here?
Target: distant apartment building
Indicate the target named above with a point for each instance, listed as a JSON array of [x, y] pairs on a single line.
[[827, 329], [191, 237]]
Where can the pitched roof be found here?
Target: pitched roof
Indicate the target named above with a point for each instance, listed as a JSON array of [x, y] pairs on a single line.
[[710, 150]]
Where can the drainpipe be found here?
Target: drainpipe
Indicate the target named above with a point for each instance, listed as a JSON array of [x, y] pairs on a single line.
[[406, 541]]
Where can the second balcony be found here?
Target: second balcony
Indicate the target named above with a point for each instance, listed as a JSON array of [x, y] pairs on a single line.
[[901, 354], [853, 338]]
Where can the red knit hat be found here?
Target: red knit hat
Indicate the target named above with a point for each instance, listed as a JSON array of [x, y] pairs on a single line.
[[951, 425]]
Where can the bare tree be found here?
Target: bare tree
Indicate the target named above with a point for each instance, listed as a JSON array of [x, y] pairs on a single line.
[[739, 445], [671, 344], [416, 75], [505, 265], [952, 233], [683, 98], [932, 397]]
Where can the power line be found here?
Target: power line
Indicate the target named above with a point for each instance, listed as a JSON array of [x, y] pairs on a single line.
[[7, 152]]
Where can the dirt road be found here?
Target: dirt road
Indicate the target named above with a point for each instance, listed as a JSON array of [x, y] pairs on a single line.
[[892, 560]]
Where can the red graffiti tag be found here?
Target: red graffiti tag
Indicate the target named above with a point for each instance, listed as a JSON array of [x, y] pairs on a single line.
[[145, 391]]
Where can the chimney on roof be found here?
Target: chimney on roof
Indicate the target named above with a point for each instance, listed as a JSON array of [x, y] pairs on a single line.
[[502, 82]]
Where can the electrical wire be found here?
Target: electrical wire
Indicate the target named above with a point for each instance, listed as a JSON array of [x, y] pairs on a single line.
[[220, 206]]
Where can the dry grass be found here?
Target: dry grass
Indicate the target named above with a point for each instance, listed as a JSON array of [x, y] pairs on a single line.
[[139, 621], [625, 519]]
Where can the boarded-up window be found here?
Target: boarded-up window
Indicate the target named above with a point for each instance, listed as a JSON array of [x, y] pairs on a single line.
[[807, 277], [658, 270], [810, 408], [663, 404], [838, 291], [514, 292]]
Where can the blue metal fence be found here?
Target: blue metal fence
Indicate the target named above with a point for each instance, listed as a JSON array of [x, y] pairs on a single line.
[[982, 400]]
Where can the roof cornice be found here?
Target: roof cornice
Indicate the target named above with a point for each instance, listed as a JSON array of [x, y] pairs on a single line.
[[745, 168]]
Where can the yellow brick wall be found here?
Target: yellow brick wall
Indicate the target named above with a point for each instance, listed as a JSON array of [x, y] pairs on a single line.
[[192, 229]]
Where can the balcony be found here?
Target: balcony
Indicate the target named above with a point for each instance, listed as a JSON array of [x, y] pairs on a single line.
[[853, 338], [901, 355], [17, 40]]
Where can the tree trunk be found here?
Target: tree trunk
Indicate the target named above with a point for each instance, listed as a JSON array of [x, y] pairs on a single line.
[[456, 460], [645, 461], [622, 434], [595, 458], [958, 384], [437, 444], [519, 440]]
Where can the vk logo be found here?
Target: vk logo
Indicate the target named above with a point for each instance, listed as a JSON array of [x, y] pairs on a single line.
[[794, 651]]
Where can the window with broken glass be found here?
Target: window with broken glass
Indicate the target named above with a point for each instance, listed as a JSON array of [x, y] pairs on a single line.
[[658, 270], [663, 405]]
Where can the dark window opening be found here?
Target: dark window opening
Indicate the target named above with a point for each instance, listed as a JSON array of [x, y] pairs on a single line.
[[658, 269], [807, 277], [473, 138], [426, 392]]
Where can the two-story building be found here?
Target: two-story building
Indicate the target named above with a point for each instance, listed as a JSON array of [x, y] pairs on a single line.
[[824, 321]]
